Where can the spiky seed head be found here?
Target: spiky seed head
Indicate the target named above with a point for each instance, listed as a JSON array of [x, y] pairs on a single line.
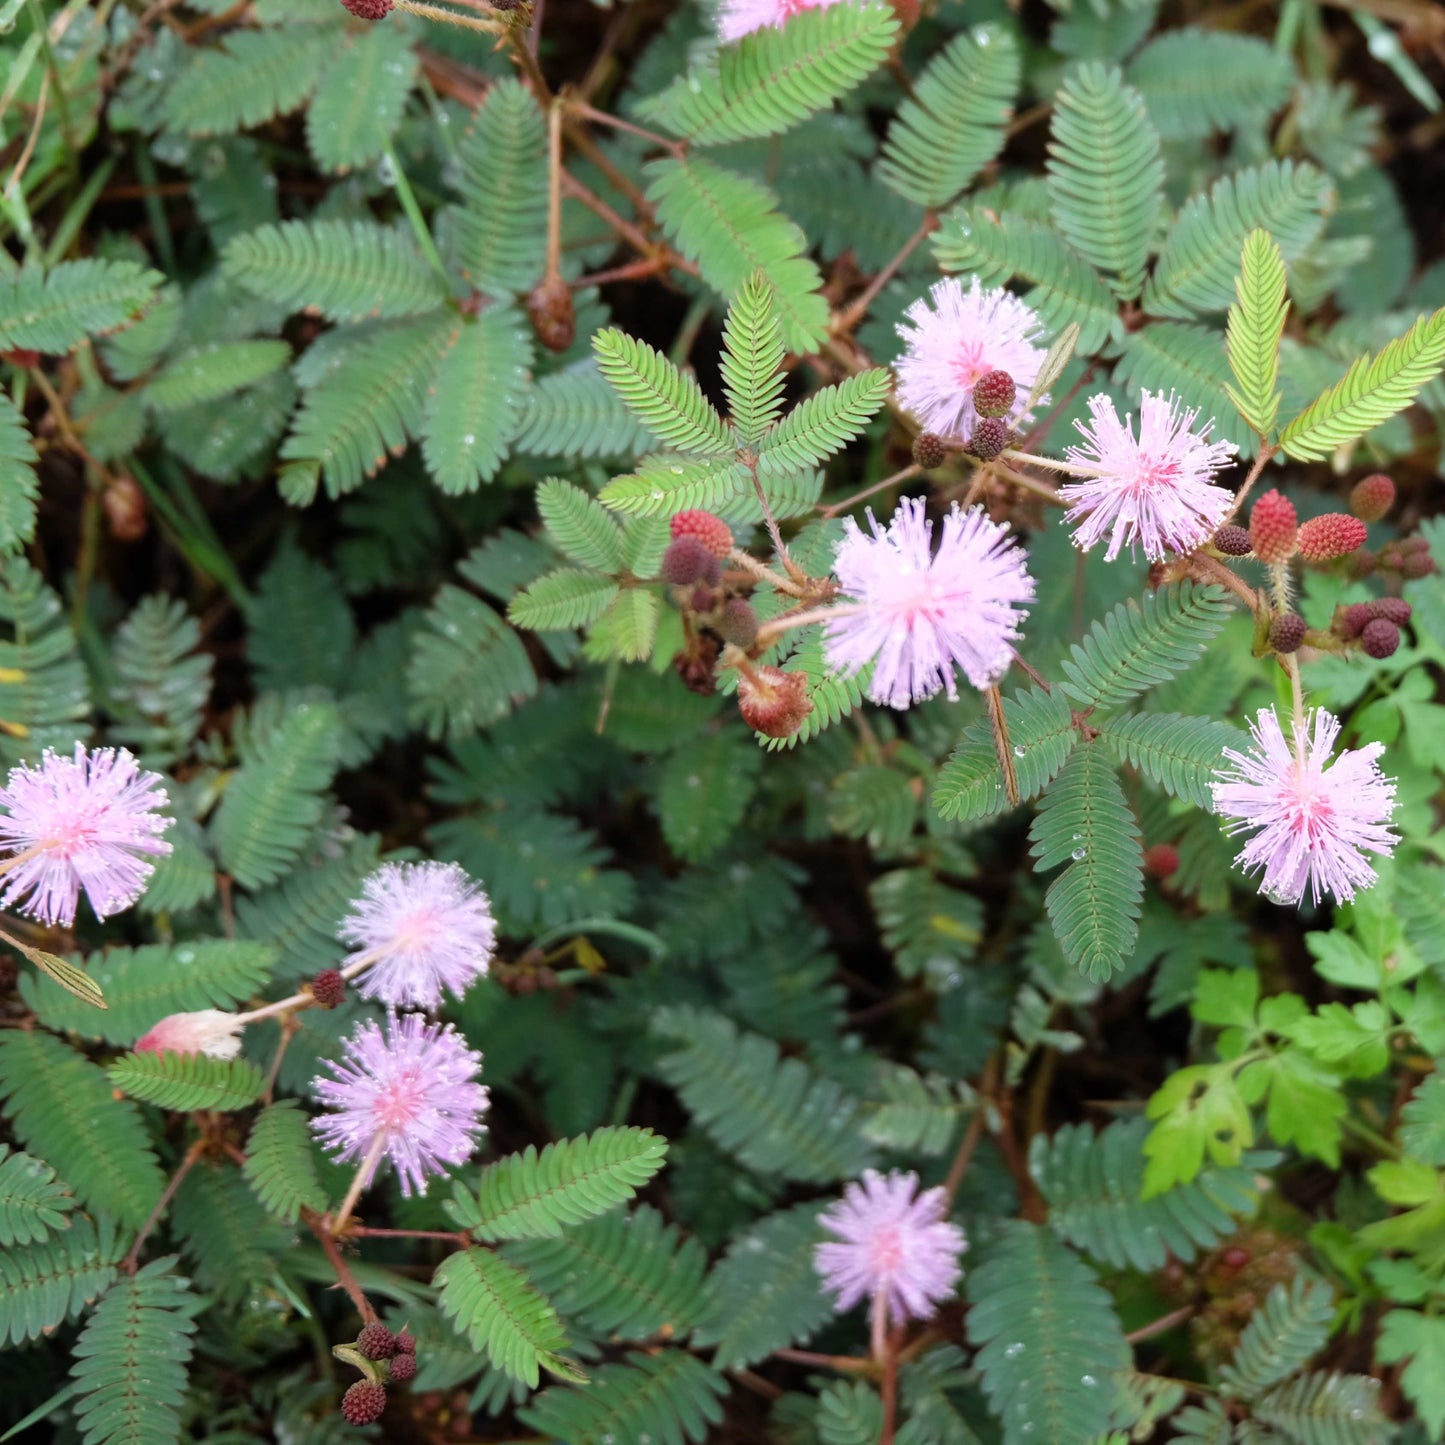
[[1372, 497], [364, 1403], [368, 9], [328, 988], [403, 1368], [405, 1343], [711, 531], [1322, 539], [774, 702], [688, 560], [1233, 541], [929, 450], [989, 438], [1417, 564], [1380, 638], [738, 623], [1162, 860], [376, 1342], [552, 312], [1287, 632], [994, 394], [1273, 528]]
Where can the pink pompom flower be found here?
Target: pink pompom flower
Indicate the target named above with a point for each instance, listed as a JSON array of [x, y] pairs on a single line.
[[409, 1095], [1157, 491], [82, 822], [953, 344], [893, 1246], [916, 613], [1316, 820], [737, 18], [206, 1031], [419, 928]]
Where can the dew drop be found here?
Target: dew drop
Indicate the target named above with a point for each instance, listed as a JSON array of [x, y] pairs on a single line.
[[1013, 1351], [1079, 854], [1019, 752], [1088, 1381]]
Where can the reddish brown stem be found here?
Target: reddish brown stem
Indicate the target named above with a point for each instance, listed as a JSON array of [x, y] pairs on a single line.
[[187, 1163], [858, 309], [344, 1276]]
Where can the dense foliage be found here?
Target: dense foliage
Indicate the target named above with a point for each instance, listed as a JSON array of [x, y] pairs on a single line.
[[441, 435]]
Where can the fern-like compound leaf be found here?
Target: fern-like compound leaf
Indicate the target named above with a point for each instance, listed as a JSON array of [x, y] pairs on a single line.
[[473, 405], [358, 105], [19, 486], [162, 681], [730, 226], [1042, 732], [954, 122], [778, 75], [1180, 754], [1196, 81], [58, 1101], [44, 688], [1092, 1183], [345, 270], [765, 1293], [1256, 324], [207, 373], [666, 1396], [492, 1303], [575, 413], [43, 1284], [776, 1115], [501, 225], [1142, 644], [253, 76], [535, 1195], [667, 402], [1195, 271], [631, 1276], [1047, 1335], [1063, 288], [33, 1202], [825, 423], [752, 361], [280, 1165], [1105, 175], [667, 483], [1093, 905], [52, 311], [1370, 392], [1283, 1333], [1325, 1408], [562, 599], [187, 1081], [131, 1358]]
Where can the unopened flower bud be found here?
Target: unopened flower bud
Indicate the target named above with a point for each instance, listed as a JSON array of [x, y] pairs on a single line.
[[993, 394], [1162, 860], [738, 623], [711, 531], [929, 450], [1233, 541], [368, 9], [206, 1031], [1273, 528], [364, 1403], [774, 702], [125, 509], [1322, 539], [1372, 497], [1380, 638], [688, 560], [1287, 632], [328, 988], [376, 1342], [990, 437], [1417, 564], [553, 313], [403, 1368]]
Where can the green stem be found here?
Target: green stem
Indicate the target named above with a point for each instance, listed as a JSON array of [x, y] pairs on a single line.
[[203, 551], [419, 226]]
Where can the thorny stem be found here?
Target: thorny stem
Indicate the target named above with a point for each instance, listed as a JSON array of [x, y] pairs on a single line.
[[527, 59], [1218, 572], [897, 479], [1160, 1326], [599, 158], [457, 1236], [879, 1319], [890, 1390], [749, 563], [289, 1029], [1266, 451], [629, 233], [775, 628], [1029, 484], [771, 523], [1291, 666], [847, 320], [1002, 746], [1055, 464], [450, 17], [186, 1165], [362, 1178], [1036, 677]]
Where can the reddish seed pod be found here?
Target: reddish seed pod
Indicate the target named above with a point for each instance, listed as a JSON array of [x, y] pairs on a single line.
[[368, 9], [1372, 497], [1233, 541], [1322, 539], [1287, 632], [929, 450], [1380, 638], [1273, 528], [994, 394], [364, 1403], [686, 561]]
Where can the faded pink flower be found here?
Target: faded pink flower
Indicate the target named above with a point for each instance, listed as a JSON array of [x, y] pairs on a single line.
[[892, 1244], [207, 1031], [952, 345], [80, 823], [918, 613], [1316, 820], [1156, 492], [412, 1090], [737, 18], [427, 926]]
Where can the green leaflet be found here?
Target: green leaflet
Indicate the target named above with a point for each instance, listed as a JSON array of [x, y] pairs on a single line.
[[52, 311], [1256, 324], [752, 363], [33, 1202], [19, 485], [670, 405], [187, 1081], [358, 105]]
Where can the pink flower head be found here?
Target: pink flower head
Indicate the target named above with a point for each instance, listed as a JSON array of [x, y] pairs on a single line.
[[951, 348], [737, 18], [1156, 492], [207, 1031], [427, 926], [1316, 820], [80, 822], [413, 1088], [919, 612], [890, 1244]]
